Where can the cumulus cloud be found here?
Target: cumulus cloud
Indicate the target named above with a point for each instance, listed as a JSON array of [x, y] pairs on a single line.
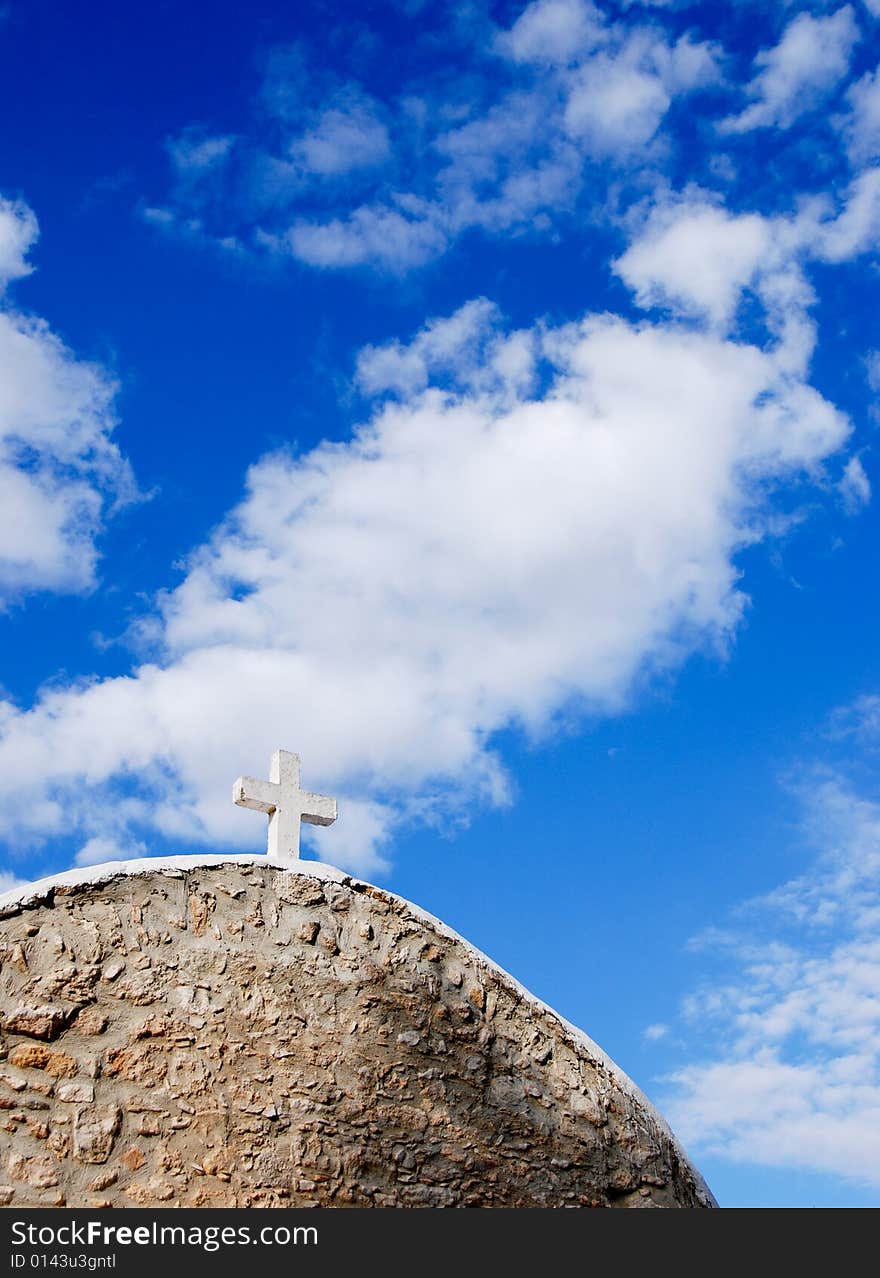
[[466, 343], [794, 1077], [695, 256], [528, 523], [59, 469], [794, 76], [691, 255]]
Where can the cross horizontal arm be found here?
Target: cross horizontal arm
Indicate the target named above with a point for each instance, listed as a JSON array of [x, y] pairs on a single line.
[[262, 796], [318, 809]]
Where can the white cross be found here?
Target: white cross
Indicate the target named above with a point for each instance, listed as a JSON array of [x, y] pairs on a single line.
[[286, 804]]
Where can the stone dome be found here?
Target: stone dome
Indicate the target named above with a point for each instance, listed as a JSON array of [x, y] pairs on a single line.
[[223, 1032]]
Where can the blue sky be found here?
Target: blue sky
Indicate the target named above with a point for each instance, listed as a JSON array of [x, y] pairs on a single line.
[[480, 400]]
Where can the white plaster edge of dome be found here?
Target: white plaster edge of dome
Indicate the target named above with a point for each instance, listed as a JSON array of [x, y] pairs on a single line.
[[28, 895]]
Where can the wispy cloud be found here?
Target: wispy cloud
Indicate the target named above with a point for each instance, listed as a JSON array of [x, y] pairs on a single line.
[[346, 136], [795, 76], [507, 148], [861, 123], [792, 1077]]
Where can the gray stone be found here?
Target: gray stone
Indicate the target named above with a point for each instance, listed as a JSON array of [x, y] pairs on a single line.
[[45, 1020], [94, 1133], [78, 1092]]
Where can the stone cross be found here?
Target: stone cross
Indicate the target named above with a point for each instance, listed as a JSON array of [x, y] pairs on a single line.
[[285, 803]]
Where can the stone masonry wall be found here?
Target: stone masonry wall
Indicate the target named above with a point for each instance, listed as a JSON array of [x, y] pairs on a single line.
[[244, 1036]]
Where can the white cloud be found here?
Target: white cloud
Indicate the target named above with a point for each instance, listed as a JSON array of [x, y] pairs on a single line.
[[794, 1077], [797, 74], [506, 166], [872, 369], [859, 721], [653, 1033], [615, 106], [59, 468], [341, 140], [857, 227], [9, 881], [375, 236], [691, 255], [553, 31], [854, 486], [195, 152], [199, 161], [18, 232], [466, 343], [158, 216], [861, 125], [474, 558], [617, 101], [97, 850], [695, 256], [354, 183]]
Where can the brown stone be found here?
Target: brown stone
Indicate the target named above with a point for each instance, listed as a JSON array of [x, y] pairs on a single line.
[[133, 1159], [91, 1021], [39, 1171], [36, 1056], [14, 955], [29, 1056], [60, 1065]]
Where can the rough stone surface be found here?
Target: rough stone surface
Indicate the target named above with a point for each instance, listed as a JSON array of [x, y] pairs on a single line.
[[244, 1036]]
